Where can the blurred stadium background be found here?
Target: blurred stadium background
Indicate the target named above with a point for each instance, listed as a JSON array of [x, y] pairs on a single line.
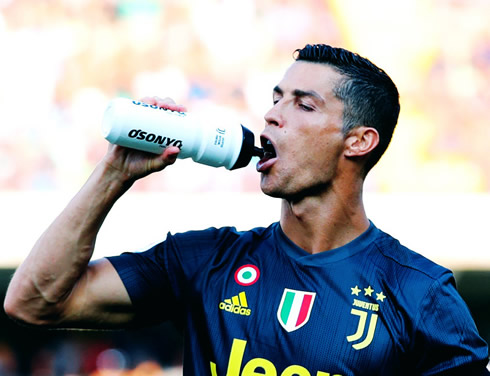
[[61, 61]]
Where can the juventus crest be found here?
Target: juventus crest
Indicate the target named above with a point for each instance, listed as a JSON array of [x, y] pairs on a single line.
[[367, 318]]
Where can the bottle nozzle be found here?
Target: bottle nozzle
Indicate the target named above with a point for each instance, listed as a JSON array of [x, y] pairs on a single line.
[[258, 152]]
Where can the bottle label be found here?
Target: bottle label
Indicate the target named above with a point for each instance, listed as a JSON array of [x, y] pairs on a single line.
[[154, 138], [219, 140]]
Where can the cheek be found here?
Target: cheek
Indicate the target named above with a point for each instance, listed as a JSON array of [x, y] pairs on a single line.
[[324, 152]]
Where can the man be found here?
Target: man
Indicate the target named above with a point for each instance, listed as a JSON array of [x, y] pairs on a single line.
[[321, 292]]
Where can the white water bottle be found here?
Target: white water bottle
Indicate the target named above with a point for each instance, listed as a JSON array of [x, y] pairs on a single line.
[[150, 128]]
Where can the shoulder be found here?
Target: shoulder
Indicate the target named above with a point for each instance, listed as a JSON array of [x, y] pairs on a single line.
[[214, 238], [212, 244], [193, 249], [405, 262], [414, 281], [426, 293], [224, 232]]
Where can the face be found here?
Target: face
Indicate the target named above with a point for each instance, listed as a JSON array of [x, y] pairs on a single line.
[[303, 136]]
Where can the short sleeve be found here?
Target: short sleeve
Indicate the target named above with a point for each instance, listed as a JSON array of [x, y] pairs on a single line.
[[446, 340], [160, 279], [145, 276]]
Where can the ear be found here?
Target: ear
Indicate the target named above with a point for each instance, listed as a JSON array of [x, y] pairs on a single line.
[[361, 141]]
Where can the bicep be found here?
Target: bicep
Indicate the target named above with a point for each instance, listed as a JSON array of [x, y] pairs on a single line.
[[98, 300]]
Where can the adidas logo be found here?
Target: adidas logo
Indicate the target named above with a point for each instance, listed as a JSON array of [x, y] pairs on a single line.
[[237, 304]]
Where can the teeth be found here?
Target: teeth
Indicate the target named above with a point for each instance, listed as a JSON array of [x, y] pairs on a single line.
[[268, 145], [269, 150]]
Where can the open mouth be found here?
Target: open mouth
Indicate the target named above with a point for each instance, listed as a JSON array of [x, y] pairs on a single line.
[[269, 155], [269, 151]]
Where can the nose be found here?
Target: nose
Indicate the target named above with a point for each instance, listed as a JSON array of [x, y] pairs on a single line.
[[272, 117]]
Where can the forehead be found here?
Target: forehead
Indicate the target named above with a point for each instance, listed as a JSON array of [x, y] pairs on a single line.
[[304, 75]]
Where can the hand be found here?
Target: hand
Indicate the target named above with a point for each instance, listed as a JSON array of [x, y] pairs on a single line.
[[132, 164]]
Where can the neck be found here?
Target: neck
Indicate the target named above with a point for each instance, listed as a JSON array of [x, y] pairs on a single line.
[[324, 221]]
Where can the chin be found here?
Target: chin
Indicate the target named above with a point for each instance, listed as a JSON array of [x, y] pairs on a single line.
[[293, 195], [273, 194], [274, 191], [270, 190]]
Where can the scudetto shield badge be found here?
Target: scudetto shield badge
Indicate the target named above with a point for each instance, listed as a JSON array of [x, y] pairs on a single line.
[[295, 308]]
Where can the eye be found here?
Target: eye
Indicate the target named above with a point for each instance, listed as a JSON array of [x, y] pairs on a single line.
[[305, 107]]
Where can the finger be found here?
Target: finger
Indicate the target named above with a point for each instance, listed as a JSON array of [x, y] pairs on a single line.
[[167, 103], [175, 107], [157, 101], [150, 100]]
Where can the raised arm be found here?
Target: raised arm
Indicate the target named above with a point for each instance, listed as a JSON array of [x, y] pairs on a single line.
[[57, 285]]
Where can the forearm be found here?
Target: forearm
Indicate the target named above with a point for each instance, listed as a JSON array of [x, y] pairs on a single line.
[[61, 255], [56, 285]]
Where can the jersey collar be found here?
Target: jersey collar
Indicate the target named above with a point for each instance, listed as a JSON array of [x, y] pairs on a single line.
[[361, 243]]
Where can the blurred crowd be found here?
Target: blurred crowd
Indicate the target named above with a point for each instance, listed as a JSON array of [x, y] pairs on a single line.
[[155, 351], [63, 60], [72, 359]]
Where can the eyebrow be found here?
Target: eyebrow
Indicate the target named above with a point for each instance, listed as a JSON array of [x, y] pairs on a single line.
[[301, 93]]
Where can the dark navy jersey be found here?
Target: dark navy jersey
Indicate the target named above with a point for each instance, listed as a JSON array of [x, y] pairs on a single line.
[[254, 303]]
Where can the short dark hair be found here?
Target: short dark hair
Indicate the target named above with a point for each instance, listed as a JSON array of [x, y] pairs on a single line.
[[369, 95]]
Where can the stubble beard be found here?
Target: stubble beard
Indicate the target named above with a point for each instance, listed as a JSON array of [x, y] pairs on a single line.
[[293, 195]]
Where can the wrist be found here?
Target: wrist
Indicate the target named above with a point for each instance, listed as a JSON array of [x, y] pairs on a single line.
[[111, 180]]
